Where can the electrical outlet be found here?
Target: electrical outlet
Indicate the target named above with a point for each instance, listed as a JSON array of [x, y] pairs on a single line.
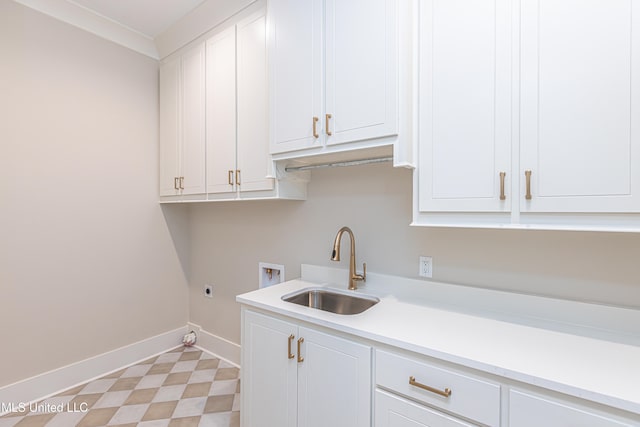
[[208, 291], [426, 266]]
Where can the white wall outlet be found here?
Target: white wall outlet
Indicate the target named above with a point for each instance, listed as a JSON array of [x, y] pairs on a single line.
[[270, 274], [426, 266], [208, 291]]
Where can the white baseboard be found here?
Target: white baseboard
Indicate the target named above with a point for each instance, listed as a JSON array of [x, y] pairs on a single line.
[[53, 382], [218, 346]]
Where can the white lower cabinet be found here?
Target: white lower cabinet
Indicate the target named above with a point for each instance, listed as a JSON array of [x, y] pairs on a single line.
[[531, 410], [297, 376]]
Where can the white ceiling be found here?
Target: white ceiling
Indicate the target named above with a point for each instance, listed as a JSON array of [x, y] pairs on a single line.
[[148, 17]]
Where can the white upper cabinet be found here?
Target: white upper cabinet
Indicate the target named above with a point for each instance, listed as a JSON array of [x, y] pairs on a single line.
[[253, 127], [465, 106], [214, 127], [333, 72], [237, 129], [361, 70], [580, 105], [529, 114], [295, 67], [221, 112], [182, 138], [170, 128]]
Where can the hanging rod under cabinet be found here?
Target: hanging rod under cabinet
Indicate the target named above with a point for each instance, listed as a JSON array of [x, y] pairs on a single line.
[[338, 164]]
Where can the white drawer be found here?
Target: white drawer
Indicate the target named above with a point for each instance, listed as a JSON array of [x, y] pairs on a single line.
[[394, 411], [473, 398], [529, 410]]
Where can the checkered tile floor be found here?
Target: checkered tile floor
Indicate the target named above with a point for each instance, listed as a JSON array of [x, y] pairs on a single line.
[[184, 387]]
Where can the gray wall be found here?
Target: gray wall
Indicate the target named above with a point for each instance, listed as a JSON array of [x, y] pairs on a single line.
[[229, 239], [87, 259]]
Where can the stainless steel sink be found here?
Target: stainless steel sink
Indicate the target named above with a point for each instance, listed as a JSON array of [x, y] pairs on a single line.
[[330, 300]]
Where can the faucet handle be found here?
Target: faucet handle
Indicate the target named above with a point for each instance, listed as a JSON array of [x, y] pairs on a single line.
[[362, 276]]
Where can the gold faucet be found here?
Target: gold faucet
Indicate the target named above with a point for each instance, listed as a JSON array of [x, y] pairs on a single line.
[[335, 256]]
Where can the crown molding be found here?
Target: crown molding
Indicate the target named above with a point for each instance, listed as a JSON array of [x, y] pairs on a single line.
[[94, 23]]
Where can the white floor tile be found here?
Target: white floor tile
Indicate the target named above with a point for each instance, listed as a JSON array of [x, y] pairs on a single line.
[[223, 387], [221, 419], [66, 419], [190, 407], [129, 414], [170, 393], [153, 423], [112, 399], [168, 358], [188, 365], [152, 381], [202, 376]]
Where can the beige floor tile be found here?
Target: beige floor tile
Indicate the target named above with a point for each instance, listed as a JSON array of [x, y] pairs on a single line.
[[207, 364], [190, 355], [73, 391], [235, 419], [145, 395], [185, 422], [85, 400], [196, 390], [161, 368], [227, 374], [177, 378], [160, 411], [125, 384], [97, 417], [35, 420], [219, 403]]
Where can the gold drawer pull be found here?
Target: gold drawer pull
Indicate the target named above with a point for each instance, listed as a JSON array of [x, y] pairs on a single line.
[[175, 183], [182, 182], [502, 175], [290, 340], [445, 393], [326, 124], [300, 358], [238, 176], [527, 174], [315, 128], [230, 177]]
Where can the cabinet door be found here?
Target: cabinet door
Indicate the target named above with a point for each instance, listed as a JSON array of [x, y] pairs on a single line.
[[393, 411], [193, 137], [334, 382], [526, 410], [221, 112], [169, 127], [295, 73], [465, 105], [361, 70], [580, 105], [269, 389], [253, 137]]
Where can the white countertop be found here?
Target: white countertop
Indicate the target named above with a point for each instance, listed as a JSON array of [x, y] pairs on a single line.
[[599, 370]]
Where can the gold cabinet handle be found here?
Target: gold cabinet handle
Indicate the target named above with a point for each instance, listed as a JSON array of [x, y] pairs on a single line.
[[175, 183], [527, 174], [327, 117], [289, 341], [237, 176], [315, 128], [182, 182], [230, 177], [300, 358], [502, 175], [445, 393]]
